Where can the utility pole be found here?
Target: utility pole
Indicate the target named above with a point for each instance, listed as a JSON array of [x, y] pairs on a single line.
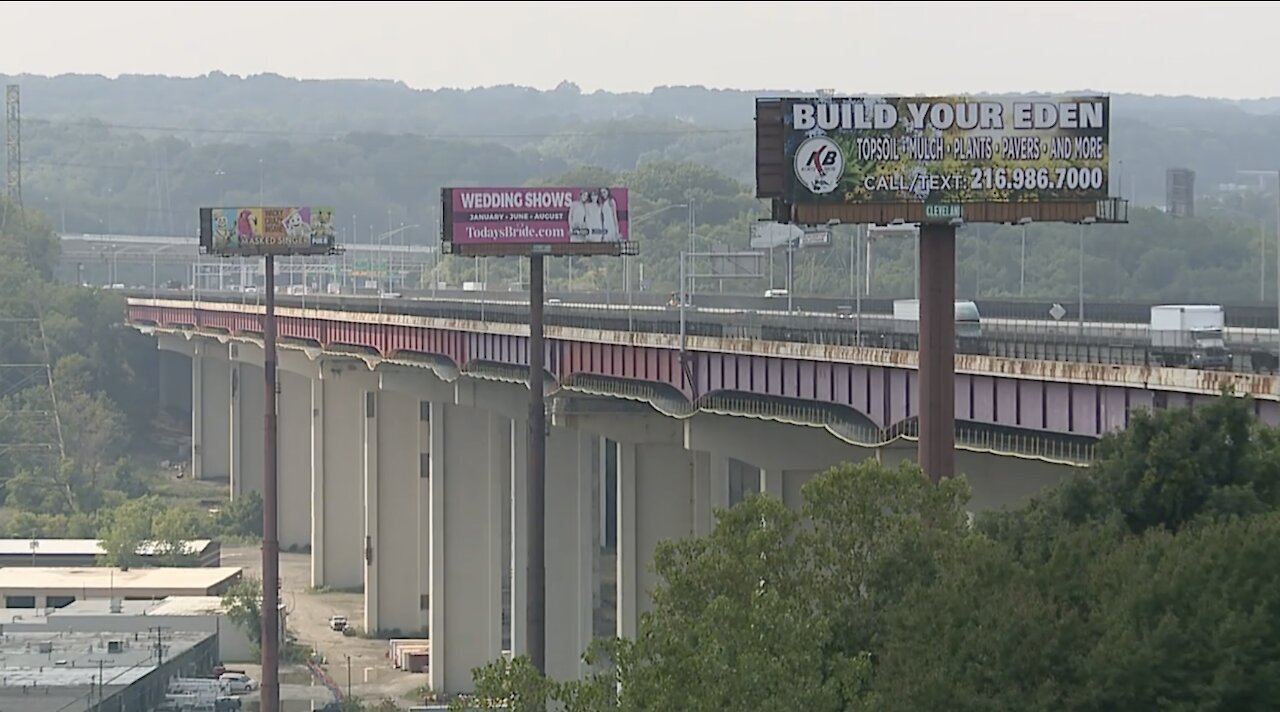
[[159, 645], [101, 683], [536, 610], [270, 508]]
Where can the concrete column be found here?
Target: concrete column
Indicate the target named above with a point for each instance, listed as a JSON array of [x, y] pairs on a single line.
[[210, 413], [657, 501], [517, 547], [469, 458], [772, 458], [251, 445], [510, 401], [711, 489], [317, 482], [996, 481], [422, 500], [174, 381], [337, 484], [369, 482], [294, 458], [392, 454], [663, 492], [248, 404], [197, 418], [569, 537]]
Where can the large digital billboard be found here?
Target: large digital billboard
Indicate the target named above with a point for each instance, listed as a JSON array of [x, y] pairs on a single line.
[[263, 231], [522, 220], [952, 150]]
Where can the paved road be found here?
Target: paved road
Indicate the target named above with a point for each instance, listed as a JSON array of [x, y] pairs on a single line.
[[309, 614]]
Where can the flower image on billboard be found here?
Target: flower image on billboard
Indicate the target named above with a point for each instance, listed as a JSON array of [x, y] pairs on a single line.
[[536, 216]]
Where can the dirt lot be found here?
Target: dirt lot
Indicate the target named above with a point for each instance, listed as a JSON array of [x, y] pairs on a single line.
[[309, 614]]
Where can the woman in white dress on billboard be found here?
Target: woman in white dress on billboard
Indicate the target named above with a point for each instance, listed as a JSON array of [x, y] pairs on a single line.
[[609, 216], [578, 230], [595, 218]]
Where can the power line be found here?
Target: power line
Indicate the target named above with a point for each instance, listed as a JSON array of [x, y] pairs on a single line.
[[345, 133]]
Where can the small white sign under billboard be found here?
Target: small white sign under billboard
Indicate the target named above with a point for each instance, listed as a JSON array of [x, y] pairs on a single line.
[[768, 235]]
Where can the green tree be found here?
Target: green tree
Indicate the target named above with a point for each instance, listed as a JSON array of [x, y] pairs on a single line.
[[1167, 469], [242, 516], [772, 609], [736, 601], [513, 685], [127, 528], [171, 529], [243, 603]]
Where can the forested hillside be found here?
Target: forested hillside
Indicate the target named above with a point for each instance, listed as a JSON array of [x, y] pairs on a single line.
[[78, 412], [141, 154]]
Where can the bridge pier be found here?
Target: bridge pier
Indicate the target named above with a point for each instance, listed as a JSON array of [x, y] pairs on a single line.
[[337, 541], [248, 403], [294, 457], [176, 382], [658, 494], [210, 411], [393, 489], [768, 457], [995, 482], [470, 456], [659, 491], [571, 502]]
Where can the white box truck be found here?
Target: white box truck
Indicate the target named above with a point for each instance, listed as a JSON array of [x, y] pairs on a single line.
[[906, 322], [1189, 335]]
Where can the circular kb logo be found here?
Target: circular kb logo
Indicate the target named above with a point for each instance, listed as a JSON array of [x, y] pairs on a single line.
[[819, 165]]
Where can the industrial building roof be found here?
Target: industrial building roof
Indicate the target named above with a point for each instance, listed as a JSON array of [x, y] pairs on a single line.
[[120, 582], [82, 547], [171, 606], [67, 671]]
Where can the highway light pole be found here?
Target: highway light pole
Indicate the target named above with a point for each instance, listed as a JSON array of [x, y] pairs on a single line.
[[857, 292], [1276, 173], [626, 259], [1080, 283], [1022, 270]]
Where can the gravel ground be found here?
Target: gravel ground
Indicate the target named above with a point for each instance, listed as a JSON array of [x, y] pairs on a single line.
[[309, 614]]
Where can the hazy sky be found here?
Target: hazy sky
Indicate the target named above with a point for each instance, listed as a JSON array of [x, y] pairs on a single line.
[[1200, 48]]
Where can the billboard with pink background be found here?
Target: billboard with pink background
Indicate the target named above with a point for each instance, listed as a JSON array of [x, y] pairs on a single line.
[[536, 216]]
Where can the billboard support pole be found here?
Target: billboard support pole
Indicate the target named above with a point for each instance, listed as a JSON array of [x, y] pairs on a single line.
[[270, 542], [536, 609], [937, 267]]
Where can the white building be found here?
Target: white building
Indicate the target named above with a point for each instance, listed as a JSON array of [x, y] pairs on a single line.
[[175, 614]]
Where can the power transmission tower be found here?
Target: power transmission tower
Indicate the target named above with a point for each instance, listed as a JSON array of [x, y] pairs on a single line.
[[31, 435], [13, 145], [160, 218]]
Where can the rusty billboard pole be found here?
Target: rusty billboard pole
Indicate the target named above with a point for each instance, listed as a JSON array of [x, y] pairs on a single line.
[[937, 444], [939, 163], [268, 232], [270, 504]]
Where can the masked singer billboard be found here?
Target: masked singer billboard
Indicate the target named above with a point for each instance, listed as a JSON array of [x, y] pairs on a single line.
[[493, 217], [262, 231]]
